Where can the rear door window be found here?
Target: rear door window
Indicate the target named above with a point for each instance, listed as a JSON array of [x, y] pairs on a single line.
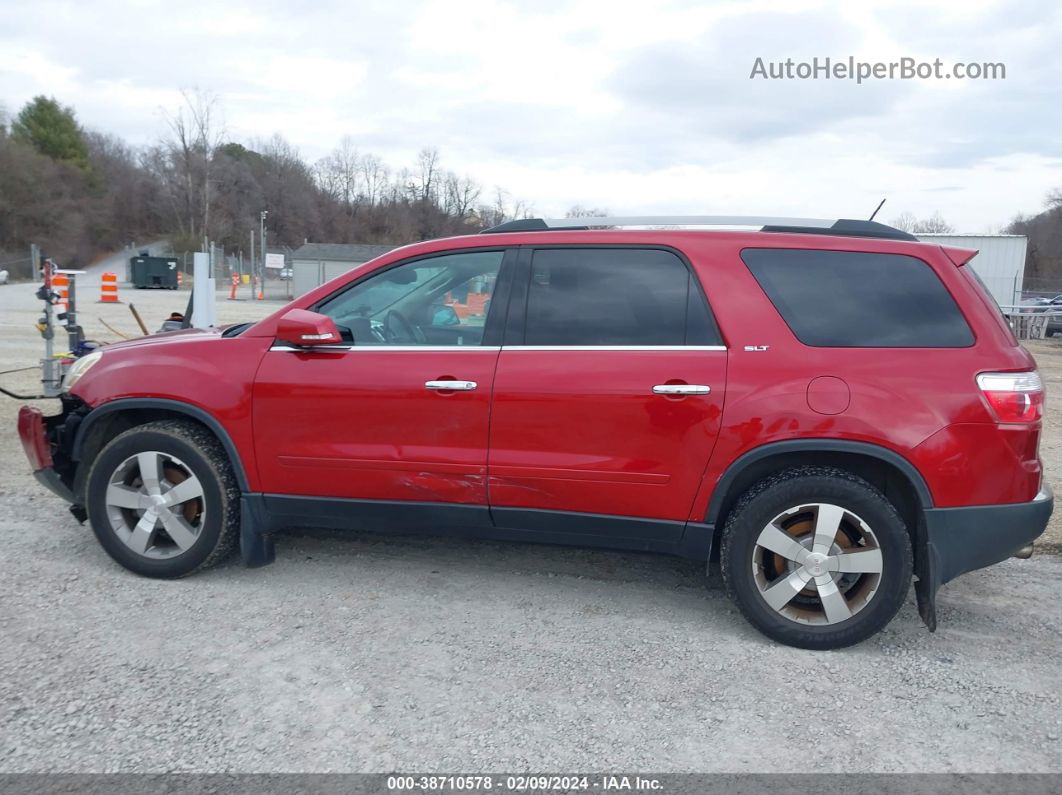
[[615, 297], [847, 299]]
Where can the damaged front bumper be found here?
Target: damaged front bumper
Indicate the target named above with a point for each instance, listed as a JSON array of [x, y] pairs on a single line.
[[47, 441]]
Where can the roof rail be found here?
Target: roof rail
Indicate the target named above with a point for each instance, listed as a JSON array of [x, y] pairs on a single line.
[[818, 226]]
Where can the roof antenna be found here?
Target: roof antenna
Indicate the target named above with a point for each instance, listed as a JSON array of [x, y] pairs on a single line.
[[871, 218]]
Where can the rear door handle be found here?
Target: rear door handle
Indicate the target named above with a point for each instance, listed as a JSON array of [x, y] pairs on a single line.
[[681, 389], [456, 386]]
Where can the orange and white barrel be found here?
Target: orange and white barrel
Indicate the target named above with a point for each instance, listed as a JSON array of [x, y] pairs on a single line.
[[109, 289], [61, 285]]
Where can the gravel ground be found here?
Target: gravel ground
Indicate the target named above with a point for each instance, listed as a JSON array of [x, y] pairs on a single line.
[[363, 653]]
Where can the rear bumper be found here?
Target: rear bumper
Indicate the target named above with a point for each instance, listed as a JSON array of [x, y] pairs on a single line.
[[959, 540]]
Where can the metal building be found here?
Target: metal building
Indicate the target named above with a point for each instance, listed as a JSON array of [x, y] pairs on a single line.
[[1000, 262], [315, 263]]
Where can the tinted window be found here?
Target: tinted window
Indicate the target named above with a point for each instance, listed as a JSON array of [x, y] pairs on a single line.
[[859, 300], [614, 297], [435, 301]]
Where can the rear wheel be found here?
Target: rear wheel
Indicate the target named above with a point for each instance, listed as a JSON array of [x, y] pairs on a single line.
[[817, 558], [162, 499]]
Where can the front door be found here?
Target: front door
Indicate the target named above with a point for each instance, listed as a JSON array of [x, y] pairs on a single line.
[[609, 402], [399, 413]]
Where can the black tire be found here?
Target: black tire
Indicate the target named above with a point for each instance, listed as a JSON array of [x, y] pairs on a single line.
[[200, 451], [802, 486]]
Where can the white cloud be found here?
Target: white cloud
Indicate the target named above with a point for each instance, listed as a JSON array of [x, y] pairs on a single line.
[[632, 105]]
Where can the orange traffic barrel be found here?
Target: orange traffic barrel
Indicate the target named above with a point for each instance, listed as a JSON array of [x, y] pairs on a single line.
[[61, 284], [109, 289]]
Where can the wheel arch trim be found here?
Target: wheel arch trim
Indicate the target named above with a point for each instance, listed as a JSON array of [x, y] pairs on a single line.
[[177, 406], [757, 454]]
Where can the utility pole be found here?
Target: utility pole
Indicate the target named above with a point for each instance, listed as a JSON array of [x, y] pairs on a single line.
[[262, 239], [35, 260], [251, 265]]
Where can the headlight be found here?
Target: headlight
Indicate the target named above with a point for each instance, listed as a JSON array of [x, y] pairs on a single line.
[[79, 368]]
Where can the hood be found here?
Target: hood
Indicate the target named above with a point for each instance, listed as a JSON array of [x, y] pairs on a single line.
[[167, 337]]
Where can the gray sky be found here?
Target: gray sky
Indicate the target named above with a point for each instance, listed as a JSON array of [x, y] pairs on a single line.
[[638, 107]]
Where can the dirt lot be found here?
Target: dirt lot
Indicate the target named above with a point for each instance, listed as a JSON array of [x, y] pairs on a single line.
[[365, 653]]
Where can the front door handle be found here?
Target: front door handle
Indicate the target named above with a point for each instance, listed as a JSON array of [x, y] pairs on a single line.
[[456, 386], [681, 389]]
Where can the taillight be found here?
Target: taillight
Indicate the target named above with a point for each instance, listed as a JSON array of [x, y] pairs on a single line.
[[1014, 397]]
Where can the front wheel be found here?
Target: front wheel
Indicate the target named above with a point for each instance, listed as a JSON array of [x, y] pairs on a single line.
[[817, 558], [162, 499]]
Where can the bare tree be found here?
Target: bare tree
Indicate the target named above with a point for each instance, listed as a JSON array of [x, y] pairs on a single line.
[[578, 211], [194, 183], [425, 188], [934, 224], [195, 135], [374, 176], [461, 195], [340, 175]]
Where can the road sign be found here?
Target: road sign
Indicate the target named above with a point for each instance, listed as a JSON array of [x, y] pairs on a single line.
[[275, 261]]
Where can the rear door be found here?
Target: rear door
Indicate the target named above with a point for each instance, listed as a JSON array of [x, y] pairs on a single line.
[[608, 392]]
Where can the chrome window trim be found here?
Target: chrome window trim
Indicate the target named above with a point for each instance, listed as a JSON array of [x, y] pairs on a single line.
[[614, 348], [366, 348], [492, 348]]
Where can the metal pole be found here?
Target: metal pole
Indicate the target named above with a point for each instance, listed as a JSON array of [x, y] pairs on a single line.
[[35, 259], [250, 266], [72, 335], [51, 370], [262, 238]]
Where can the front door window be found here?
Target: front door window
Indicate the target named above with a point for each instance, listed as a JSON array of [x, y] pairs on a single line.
[[440, 300]]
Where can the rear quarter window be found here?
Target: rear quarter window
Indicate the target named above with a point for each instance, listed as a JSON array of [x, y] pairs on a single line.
[[848, 299]]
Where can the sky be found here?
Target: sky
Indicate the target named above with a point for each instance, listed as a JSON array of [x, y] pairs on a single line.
[[639, 108]]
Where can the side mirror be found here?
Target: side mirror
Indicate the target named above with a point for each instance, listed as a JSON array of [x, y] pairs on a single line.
[[307, 329]]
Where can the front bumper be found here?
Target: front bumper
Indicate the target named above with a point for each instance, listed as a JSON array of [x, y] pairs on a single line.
[[34, 430], [50, 479], [959, 540]]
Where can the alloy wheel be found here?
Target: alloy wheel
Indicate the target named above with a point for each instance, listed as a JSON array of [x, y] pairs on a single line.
[[155, 504], [817, 563]]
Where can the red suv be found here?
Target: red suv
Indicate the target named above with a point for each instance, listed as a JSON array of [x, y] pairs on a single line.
[[831, 406]]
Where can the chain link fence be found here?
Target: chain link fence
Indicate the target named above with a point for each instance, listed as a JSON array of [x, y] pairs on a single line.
[[1041, 287], [19, 268], [249, 284]]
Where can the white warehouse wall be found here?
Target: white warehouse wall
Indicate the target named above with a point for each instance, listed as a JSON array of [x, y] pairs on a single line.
[[308, 274], [1000, 261]]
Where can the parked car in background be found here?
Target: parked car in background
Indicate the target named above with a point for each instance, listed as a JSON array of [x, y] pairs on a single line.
[[1054, 324], [832, 407]]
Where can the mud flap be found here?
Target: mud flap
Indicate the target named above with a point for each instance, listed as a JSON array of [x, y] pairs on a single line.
[[926, 596], [925, 580], [256, 546]]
